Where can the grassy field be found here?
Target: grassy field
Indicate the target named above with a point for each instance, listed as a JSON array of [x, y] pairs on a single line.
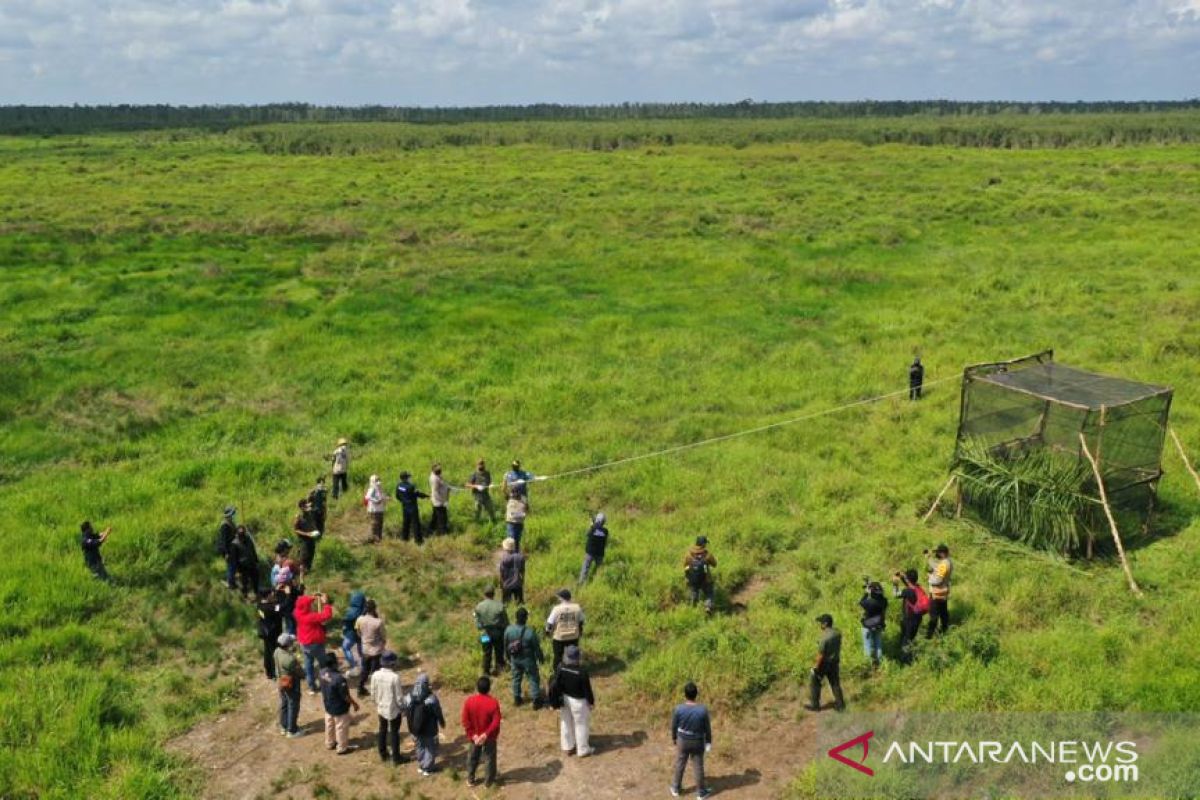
[[192, 320]]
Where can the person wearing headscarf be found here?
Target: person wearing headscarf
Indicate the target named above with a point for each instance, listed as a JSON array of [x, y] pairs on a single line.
[[593, 548], [376, 499], [350, 640], [574, 689], [425, 718]]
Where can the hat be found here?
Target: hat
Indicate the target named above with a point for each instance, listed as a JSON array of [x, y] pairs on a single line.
[[572, 655], [342, 441], [285, 639], [701, 540], [230, 511], [516, 464], [389, 658], [565, 594], [509, 544], [825, 619], [599, 519]]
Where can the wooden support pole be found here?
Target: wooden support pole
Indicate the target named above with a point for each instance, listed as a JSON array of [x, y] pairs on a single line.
[[1112, 523], [938, 499], [1183, 455]]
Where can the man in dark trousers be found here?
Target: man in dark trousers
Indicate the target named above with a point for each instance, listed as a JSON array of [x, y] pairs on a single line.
[[916, 379], [91, 541], [480, 484], [828, 666], [940, 571], [408, 494], [491, 619], [512, 573], [524, 655], [906, 586], [247, 562], [698, 565], [691, 735], [481, 721], [226, 534], [318, 502], [594, 546]]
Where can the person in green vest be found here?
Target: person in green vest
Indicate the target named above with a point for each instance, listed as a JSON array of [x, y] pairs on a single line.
[[524, 655], [491, 619]]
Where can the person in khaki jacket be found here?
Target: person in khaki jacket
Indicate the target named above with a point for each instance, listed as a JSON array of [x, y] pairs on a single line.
[[564, 626]]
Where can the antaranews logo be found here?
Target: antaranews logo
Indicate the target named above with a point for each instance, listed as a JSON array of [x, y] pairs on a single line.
[[836, 753]]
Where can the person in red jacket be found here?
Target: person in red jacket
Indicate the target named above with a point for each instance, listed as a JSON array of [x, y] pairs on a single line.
[[310, 633], [481, 720]]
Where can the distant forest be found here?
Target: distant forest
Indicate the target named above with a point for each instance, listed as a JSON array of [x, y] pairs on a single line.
[[47, 120]]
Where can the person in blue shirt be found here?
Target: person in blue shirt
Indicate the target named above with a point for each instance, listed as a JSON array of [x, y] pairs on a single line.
[[516, 482], [691, 734]]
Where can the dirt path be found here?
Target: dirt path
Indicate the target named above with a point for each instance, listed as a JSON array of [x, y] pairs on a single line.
[[243, 755]]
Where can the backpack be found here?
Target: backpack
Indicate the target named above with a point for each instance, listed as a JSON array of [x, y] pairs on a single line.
[[921, 606], [566, 626], [516, 648], [697, 571], [416, 717]]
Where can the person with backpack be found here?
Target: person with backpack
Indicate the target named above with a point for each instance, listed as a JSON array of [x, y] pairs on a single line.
[[524, 653], [512, 573], [341, 468], [515, 511], [335, 696], [310, 625], [595, 543], [407, 494], [288, 674], [424, 716], [317, 501], [827, 667], [388, 695], [572, 692], [916, 379], [308, 533], [91, 541], [226, 534], [698, 564], [691, 736], [270, 626], [350, 638], [874, 607], [373, 635], [376, 501], [940, 570], [481, 721], [439, 498], [906, 586], [491, 620], [247, 562], [564, 626], [480, 484]]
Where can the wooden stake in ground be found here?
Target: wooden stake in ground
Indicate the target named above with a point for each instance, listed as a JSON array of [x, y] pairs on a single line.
[[1112, 523], [938, 499], [1183, 455]]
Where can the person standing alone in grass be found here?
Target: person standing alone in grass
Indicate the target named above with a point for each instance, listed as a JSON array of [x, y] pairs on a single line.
[[388, 696], [827, 666], [697, 570], [373, 635], [335, 696], [874, 607], [341, 468], [512, 573], [310, 625], [408, 495], [941, 569], [289, 674], [376, 501], [481, 721], [916, 379], [491, 619], [92, 541], [691, 735], [480, 485], [594, 546], [524, 654], [439, 498], [424, 716], [226, 534], [564, 625]]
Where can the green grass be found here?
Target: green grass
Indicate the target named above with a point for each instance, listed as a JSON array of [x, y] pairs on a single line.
[[191, 321]]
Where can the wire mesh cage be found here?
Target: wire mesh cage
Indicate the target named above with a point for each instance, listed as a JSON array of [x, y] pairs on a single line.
[[1014, 410]]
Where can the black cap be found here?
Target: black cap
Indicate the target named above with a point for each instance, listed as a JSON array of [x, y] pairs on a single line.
[[825, 619], [565, 594], [702, 540]]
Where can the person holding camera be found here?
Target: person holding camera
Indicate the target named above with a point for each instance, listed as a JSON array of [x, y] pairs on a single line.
[[874, 606], [906, 586], [827, 667], [310, 633], [940, 569]]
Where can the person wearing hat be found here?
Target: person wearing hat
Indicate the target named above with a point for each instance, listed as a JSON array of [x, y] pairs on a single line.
[[308, 533], [491, 619], [524, 654], [388, 695], [439, 498], [270, 626], [698, 564], [376, 501], [940, 570], [512, 573], [91, 541], [335, 696], [425, 719], [574, 687], [226, 533], [691, 736], [595, 543], [564, 626], [341, 468], [289, 674], [516, 482], [480, 484], [408, 495], [827, 666]]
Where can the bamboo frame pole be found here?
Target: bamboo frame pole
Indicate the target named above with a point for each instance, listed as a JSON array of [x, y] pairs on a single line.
[[1112, 523], [1183, 455], [938, 499]]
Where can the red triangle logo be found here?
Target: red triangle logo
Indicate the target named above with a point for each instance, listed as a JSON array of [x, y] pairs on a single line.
[[860, 765]]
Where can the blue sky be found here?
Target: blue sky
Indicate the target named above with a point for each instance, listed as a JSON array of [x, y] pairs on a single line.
[[471, 52]]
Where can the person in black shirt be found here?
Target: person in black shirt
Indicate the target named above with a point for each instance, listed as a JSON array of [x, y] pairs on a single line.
[[225, 536], [247, 562], [318, 503], [270, 625], [827, 666], [874, 606], [574, 690], [593, 550], [408, 494], [91, 541], [916, 379]]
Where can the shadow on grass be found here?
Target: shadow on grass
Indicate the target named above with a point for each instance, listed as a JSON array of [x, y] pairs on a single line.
[[607, 742], [533, 774]]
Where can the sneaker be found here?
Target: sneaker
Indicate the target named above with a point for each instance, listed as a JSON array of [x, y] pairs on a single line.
[[347, 750], [296, 734], [283, 731], [705, 792], [425, 773], [674, 792], [586, 753]]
